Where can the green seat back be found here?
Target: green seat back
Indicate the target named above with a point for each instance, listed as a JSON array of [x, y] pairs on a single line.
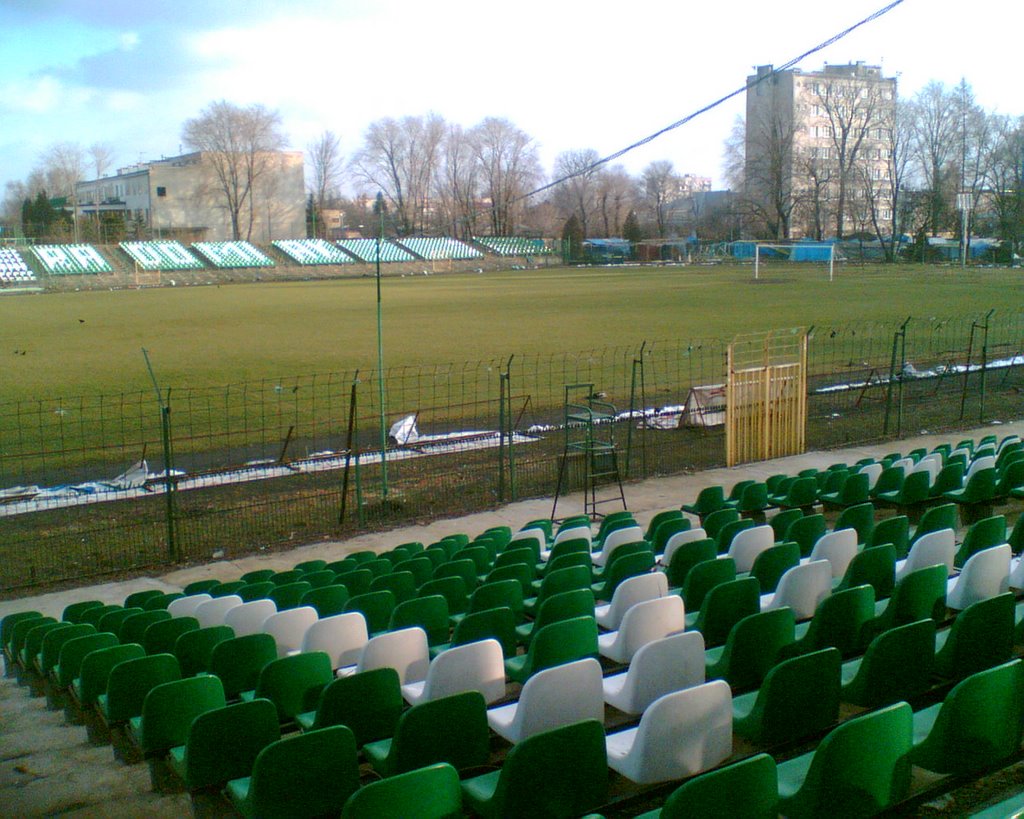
[[497, 623], [7, 629], [256, 591], [801, 493], [855, 490], [890, 480], [565, 560], [662, 526], [875, 566], [981, 637], [837, 622], [286, 578], [747, 788], [729, 531], [981, 534], [54, 640], [324, 577], [194, 648], [429, 613], [497, 593], [294, 683], [705, 576], [934, 519], [160, 602], [454, 590], [559, 607], [170, 707], [73, 612], [340, 567], [724, 606], [709, 500], [806, 531], [978, 725], [897, 665], [463, 569], [623, 567], [712, 524], [20, 631], [369, 702], [311, 566], [96, 666], [686, 556], [363, 556], [918, 595], [894, 530], [781, 521], [94, 615], [201, 586], [860, 517], [752, 648], [521, 554], [357, 581], [949, 479], [780, 710], [378, 567], [162, 636], [574, 577], [480, 556], [138, 599], [754, 498], [133, 629], [327, 600], [238, 661], [859, 769], [401, 584], [563, 642], [289, 595], [773, 562], [376, 607], [34, 639], [980, 487], [129, 683], [74, 651], [560, 772], [420, 568], [223, 744], [258, 576], [431, 792]]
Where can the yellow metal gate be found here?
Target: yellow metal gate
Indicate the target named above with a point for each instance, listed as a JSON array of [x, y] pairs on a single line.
[[766, 396]]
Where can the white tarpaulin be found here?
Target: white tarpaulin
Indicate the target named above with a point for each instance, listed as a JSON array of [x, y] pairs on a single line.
[[704, 407]]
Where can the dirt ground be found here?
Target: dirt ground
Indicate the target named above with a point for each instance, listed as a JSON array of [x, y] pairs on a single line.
[[48, 767]]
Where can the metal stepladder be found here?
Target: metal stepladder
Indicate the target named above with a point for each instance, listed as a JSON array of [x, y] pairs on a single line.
[[590, 440]]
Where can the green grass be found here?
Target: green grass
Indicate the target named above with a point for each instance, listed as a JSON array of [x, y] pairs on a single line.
[[90, 342]]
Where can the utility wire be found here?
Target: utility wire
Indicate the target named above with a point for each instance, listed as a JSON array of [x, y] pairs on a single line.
[[756, 81]]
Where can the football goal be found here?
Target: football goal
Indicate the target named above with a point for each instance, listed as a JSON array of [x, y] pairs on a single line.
[[773, 255]]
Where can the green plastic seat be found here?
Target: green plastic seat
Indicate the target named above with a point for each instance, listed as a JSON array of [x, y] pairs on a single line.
[[305, 776], [429, 613], [201, 586], [978, 725], [737, 491], [195, 648], [622, 567], [555, 644], [685, 557], [781, 521], [781, 711], [497, 623], [909, 496], [802, 493], [495, 594], [95, 671], [54, 641], [420, 568], [133, 629], [837, 623], [162, 636], [368, 702], [289, 595], [450, 729], [751, 649], [861, 768], [729, 531], [238, 661], [376, 607], [919, 595], [712, 524], [7, 630], [327, 600], [285, 578], [256, 591], [229, 588], [772, 563], [944, 516], [73, 611], [703, 577], [558, 607], [891, 480], [897, 665], [74, 651], [33, 642], [223, 744], [949, 479], [875, 566], [723, 607], [129, 683], [19, 637], [363, 555], [431, 792], [524, 555], [976, 497], [560, 772], [663, 526], [861, 517], [894, 530], [575, 577], [401, 584], [309, 567], [982, 534], [853, 492], [258, 576], [579, 557], [453, 589], [480, 556], [379, 567], [806, 531], [324, 577], [981, 637], [160, 602], [464, 569], [357, 582], [94, 615], [344, 566], [748, 788], [709, 499], [293, 683], [168, 711], [753, 501], [139, 598]]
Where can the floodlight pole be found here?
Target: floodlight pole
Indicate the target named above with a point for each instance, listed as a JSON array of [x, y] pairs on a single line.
[[379, 204]]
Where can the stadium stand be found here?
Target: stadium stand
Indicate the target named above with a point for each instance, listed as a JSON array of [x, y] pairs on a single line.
[[62, 260], [232, 254], [165, 255], [312, 251], [365, 250], [514, 245], [434, 248], [13, 268]]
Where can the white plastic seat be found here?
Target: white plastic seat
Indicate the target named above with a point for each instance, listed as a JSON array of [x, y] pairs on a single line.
[[567, 534], [932, 464], [627, 594], [551, 698], [801, 588], [342, 637], [643, 623], [679, 735], [525, 536], [289, 627], [248, 618], [838, 548], [1017, 573], [931, 548], [873, 471], [984, 575], [628, 534], [907, 464], [212, 612], [658, 668], [678, 539], [186, 606], [1009, 439], [477, 666], [404, 650], [747, 544], [978, 464]]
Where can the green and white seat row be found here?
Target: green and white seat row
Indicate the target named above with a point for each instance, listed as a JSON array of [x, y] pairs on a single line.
[[435, 248], [165, 255], [365, 250], [70, 259], [312, 251], [232, 254], [514, 245], [13, 267]]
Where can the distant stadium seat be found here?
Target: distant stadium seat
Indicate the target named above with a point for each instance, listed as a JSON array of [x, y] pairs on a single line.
[[63, 260], [365, 250], [161, 256], [232, 254], [433, 248], [312, 251]]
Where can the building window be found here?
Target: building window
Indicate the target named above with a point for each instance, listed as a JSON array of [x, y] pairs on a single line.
[[161, 190]]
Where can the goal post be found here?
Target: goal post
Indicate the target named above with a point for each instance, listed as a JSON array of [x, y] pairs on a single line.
[[814, 253]]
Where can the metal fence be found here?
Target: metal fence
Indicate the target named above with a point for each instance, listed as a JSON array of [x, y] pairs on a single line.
[[100, 485]]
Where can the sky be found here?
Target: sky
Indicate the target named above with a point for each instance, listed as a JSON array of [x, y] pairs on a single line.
[[571, 74]]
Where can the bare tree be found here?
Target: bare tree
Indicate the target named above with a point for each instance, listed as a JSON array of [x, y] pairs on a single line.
[[977, 134], [578, 194], [660, 185], [1006, 181], [325, 161], [102, 156], [240, 145], [457, 183], [509, 167], [816, 173], [616, 199], [768, 172], [934, 131]]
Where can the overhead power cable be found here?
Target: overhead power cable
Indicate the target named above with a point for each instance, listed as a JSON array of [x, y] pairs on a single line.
[[743, 88]]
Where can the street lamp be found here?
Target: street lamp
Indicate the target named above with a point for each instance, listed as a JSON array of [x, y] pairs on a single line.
[[379, 207]]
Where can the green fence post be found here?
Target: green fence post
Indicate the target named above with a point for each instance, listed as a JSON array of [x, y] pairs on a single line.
[[169, 485], [984, 364], [349, 438], [638, 364]]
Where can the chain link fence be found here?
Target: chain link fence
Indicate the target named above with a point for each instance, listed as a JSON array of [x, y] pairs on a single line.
[[101, 485]]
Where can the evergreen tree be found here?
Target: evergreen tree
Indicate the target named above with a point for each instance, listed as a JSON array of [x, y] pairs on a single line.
[[631, 232], [572, 239]]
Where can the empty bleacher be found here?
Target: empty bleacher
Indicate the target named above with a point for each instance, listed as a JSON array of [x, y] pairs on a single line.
[[232, 254], [13, 268], [166, 255], [365, 250], [513, 245], [437, 248], [65, 260], [312, 251]]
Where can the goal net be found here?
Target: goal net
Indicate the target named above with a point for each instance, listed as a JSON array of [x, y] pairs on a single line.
[[806, 254]]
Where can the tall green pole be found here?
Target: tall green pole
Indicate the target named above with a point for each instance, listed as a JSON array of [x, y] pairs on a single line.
[[380, 356]]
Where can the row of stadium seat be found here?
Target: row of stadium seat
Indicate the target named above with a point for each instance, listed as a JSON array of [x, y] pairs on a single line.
[[70, 259], [165, 255], [436, 248], [365, 250], [13, 268], [312, 251], [232, 254], [514, 245]]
